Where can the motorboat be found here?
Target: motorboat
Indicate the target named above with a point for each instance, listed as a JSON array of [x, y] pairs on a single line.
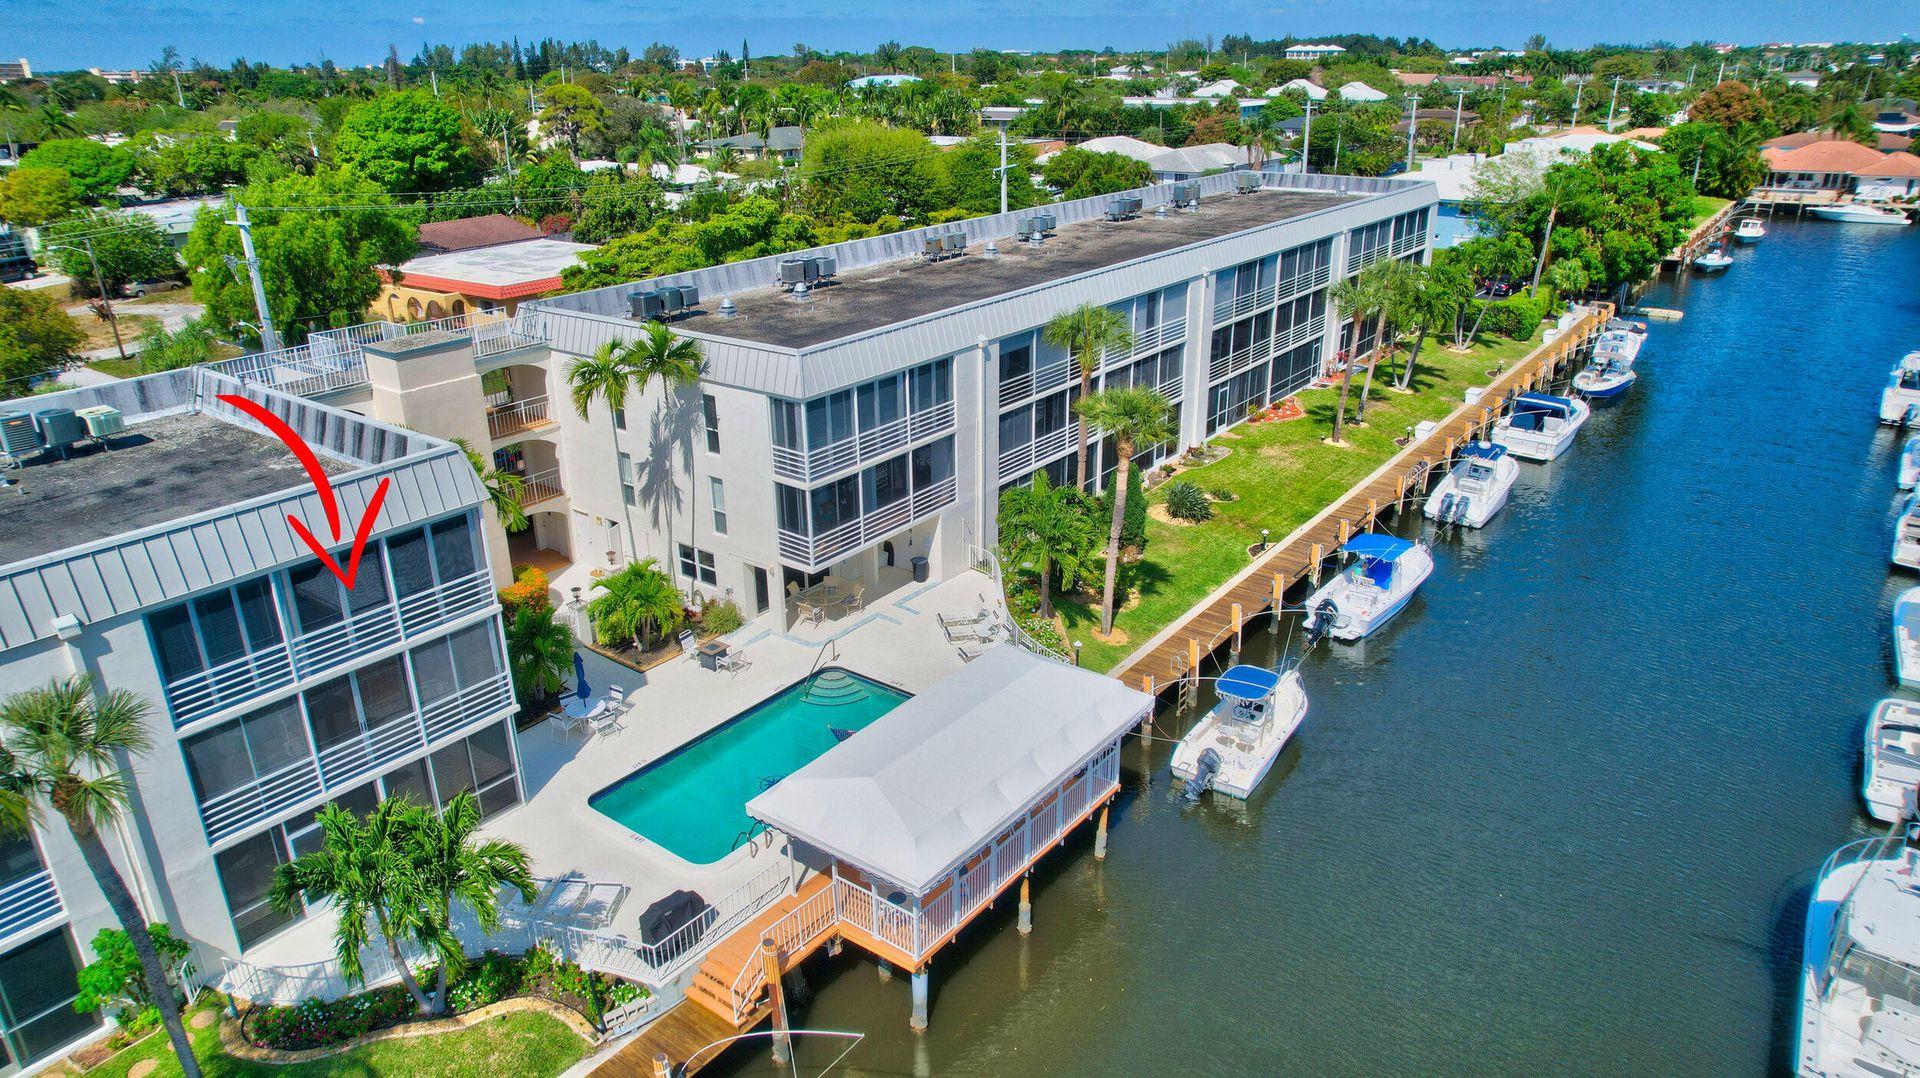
[[1232, 748], [1860, 966], [1860, 213], [1541, 426], [1476, 488], [1909, 476], [1900, 401], [1906, 638], [1381, 577], [1892, 773], [1906, 534], [1714, 260], [1609, 373], [1750, 230]]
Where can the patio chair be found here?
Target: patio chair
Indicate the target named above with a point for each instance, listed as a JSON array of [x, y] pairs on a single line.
[[606, 720], [967, 656], [687, 644], [810, 613], [734, 661], [562, 725], [858, 600]]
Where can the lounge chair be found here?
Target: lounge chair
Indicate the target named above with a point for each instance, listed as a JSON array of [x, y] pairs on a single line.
[[967, 656], [687, 643]]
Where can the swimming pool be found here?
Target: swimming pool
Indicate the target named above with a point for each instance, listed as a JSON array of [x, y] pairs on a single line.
[[693, 802]]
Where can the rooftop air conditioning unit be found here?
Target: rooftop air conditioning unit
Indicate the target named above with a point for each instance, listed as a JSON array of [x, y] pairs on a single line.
[[1183, 193], [933, 247], [670, 300], [1134, 204], [1026, 226], [18, 436], [1247, 182], [825, 266], [1043, 222], [646, 306], [792, 272], [103, 420], [689, 296], [1117, 210], [60, 427]]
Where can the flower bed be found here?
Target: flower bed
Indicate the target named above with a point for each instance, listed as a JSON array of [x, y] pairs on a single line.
[[539, 973]]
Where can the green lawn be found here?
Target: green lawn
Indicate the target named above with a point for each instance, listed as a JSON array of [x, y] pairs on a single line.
[[1704, 209], [526, 1044], [119, 368], [1284, 474]]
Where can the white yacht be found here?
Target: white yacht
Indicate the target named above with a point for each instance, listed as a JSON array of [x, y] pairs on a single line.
[[1906, 534], [1476, 488], [1909, 476], [1231, 750], [1609, 373], [1860, 213], [1900, 401], [1714, 260], [1540, 426], [1893, 760], [1860, 971], [1374, 587], [1750, 230]]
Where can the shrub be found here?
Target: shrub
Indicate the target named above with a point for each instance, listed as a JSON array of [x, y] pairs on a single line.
[[1188, 502], [1518, 316], [1133, 524], [722, 617], [527, 592], [116, 978]]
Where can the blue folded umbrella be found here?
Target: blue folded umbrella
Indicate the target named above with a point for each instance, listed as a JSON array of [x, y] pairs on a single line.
[[582, 689]]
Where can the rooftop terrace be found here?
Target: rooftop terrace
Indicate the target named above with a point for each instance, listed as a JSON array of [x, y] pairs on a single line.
[[157, 470], [879, 295]]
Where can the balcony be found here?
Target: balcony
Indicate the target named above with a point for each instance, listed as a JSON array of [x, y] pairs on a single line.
[[810, 465], [820, 550], [1302, 283], [27, 902], [1228, 308], [1152, 339], [518, 417], [1234, 363], [239, 681], [540, 487], [1021, 386], [1020, 461]]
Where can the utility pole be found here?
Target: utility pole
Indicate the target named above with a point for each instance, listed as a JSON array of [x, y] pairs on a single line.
[[434, 77], [1459, 105], [1611, 102], [1690, 70], [1413, 124], [178, 97], [106, 301], [1721, 77], [1003, 168], [1306, 139], [269, 337], [1579, 90]]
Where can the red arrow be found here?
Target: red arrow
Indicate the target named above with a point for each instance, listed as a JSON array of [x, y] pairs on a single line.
[[323, 487]]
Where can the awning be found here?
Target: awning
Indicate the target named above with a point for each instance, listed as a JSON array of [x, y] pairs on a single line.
[[1247, 682], [1542, 402], [1485, 450], [928, 784], [1376, 547]]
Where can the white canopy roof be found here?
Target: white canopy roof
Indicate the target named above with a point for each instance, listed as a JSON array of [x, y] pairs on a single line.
[[912, 795]]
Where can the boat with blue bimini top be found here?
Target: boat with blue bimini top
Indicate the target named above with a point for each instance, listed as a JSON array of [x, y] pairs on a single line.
[[1892, 773], [1232, 748], [1541, 426], [1714, 260], [1906, 638], [1860, 965], [1476, 488], [1909, 475], [1900, 401], [1384, 573]]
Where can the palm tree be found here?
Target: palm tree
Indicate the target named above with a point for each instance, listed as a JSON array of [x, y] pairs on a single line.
[[1434, 299], [605, 376], [1389, 285], [505, 490], [1132, 416], [640, 602], [663, 356], [361, 867], [1088, 332], [1352, 298], [1048, 527], [538, 652], [67, 747], [448, 865]]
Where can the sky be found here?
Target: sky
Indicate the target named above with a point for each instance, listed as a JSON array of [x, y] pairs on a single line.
[[61, 34]]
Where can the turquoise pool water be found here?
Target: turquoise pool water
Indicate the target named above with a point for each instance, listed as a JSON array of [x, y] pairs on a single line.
[[693, 802]]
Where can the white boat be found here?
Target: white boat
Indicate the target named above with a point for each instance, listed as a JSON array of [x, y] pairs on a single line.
[[1476, 488], [1900, 401], [1860, 969], [1374, 587], [1909, 476], [1231, 749], [1609, 373], [1715, 260], [1541, 426], [1892, 773], [1860, 213], [1906, 534], [1750, 230], [1906, 638]]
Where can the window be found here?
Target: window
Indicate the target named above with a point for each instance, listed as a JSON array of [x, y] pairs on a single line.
[[1016, 427], [427, 558], [357, 704], [461, 661], [18, 857], [246, 872], [305, 838], [790, 507], [880, 402], [1015, 363], [932, 464], [884, 484], [36, 998], [482, 763], [619, 419], [835, 504], [1147, 312], [248, 750], [698, 565], [217, 628], [711, 414], [829, 419], [932, 385], [625, 465], [719, 499]]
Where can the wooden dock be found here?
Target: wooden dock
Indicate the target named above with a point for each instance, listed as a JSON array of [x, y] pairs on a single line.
[[1702, 235], [1177, 652]]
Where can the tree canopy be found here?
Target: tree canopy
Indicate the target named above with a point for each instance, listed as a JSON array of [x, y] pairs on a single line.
[[128, 247], [96, 170], [1078, 173], [31, 197], [36, 337], [406, 142]]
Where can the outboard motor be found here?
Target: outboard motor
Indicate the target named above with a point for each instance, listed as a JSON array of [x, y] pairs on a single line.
[[1203, 771], [1460, 508], [1911, 416], [1320, 622], [1446, 506]]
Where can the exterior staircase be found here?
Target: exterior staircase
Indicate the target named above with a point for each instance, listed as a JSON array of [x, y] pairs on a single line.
[[798, 924]]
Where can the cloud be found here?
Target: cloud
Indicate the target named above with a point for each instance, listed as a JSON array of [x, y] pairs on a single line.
[[419, 20]]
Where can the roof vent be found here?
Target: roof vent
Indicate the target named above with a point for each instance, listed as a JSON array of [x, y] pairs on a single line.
[[1160, 211], [728, 308], [992, 250], [799, 291]]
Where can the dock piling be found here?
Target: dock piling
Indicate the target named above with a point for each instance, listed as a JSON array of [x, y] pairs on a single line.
[[1100, 837], [1279, 601], [885, 969], [662, 1066], [919, 1018], [770, 966], [1238, 625], [1025, 923]]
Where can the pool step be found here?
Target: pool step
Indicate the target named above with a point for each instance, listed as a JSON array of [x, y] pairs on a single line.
[[833, 688]]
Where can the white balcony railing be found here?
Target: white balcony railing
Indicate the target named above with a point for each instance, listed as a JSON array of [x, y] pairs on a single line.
[[335, 359], [240, 680], [1301, 283], [1020, 460], [27, 902], [1228, 308], [517, 416], [264, 798], [811, 465], [818, 550], [541, 486], [1147, 340]]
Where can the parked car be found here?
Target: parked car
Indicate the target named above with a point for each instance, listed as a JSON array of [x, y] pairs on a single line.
[[136, 289], [1498, 288], [1394, 169], [17, 269]]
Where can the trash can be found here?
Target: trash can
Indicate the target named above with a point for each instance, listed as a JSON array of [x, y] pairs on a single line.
[[919, 570]]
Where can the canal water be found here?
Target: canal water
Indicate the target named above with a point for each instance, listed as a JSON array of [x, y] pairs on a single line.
[[1562, 815]]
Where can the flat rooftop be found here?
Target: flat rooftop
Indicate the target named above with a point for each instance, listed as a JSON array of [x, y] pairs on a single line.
[[874, 296], [504, 266], [155, 471]]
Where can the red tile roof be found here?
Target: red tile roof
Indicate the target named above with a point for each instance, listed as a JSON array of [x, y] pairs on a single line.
[[1897, 164], [441, 237], [1828, 155]]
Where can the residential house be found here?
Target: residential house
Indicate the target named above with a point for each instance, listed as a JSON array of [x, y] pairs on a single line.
[[1360, 91], [785, 143], [474, 280], [1313, 53], [468, 233], [1311, 89], [1833, 169]]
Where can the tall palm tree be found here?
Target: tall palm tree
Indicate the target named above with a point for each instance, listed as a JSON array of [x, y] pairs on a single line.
[[1132, 416], [1435, 299], [450, 865], [65, 747], [1390, 283], [1048, 527], [606, 377], [640, 603], [1352, 299], [539, 650], [361, 867], [663, 356], [1088, 332], [505, 490]]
